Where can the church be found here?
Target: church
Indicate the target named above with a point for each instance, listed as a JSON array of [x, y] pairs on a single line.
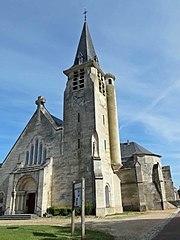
[[51, 153]]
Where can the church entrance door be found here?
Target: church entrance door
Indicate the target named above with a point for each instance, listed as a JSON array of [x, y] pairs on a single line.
[[26, 195], [31, 203]]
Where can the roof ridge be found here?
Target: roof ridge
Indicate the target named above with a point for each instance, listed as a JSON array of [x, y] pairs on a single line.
[[50, 118], [132, 148]]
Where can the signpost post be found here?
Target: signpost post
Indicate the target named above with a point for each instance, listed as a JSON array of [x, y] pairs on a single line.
[[83, 210], [73, 211]]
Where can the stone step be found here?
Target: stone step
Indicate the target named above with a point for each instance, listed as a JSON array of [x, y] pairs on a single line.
[[18, 217]]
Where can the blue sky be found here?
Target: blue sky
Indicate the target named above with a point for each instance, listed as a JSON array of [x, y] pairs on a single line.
[[138, 41]]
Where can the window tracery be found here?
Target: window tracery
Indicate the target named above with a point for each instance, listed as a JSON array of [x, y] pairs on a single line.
[[36, 153]]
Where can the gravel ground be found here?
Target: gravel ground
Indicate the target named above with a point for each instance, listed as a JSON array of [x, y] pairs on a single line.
[[136, 227]]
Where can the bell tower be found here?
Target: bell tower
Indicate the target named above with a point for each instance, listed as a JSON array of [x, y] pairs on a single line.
[[91, 138]]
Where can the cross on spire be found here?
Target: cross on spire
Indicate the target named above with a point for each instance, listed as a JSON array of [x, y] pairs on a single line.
[[85, 14], [40, 101]]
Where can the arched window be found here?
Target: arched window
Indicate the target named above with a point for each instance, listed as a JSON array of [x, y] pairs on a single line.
[[36, 152], [27, 157], [40, 154], [44, 155], [110, 81], [107, 195], [31, 154], [103, 120], [105, 145]]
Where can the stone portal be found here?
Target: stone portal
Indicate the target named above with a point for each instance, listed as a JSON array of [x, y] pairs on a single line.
[[26, 195]]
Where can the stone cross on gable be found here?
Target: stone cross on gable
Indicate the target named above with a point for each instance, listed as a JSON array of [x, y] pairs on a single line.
[[40, 101]]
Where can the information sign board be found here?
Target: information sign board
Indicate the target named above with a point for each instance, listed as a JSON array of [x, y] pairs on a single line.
[[77, 194]]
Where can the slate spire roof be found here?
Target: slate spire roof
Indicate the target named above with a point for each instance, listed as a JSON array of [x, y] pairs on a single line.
[[85, 51]]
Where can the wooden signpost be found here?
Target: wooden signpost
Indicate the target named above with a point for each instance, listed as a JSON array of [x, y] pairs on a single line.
[[78, 201]]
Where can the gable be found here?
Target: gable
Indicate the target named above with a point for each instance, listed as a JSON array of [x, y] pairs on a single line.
[[42, 126]]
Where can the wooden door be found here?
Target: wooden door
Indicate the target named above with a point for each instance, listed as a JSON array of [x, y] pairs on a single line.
[[31, 203]]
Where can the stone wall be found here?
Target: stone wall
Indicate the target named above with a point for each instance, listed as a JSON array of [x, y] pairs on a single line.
[[129, 189], [142, 183], [170, 196]]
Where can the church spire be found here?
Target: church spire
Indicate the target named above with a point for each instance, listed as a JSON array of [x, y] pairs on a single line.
[[85, 51]]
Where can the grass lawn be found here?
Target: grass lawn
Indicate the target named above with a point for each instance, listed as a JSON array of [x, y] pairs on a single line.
[[47, 233]]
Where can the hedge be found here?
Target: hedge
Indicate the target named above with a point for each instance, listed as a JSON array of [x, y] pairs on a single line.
[[65, 211]]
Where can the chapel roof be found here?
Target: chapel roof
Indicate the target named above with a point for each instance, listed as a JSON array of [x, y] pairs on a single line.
[[129, 149], [85, 51], [58, 121]]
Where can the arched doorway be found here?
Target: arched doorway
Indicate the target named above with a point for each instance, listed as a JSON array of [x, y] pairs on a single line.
[[26, 191]]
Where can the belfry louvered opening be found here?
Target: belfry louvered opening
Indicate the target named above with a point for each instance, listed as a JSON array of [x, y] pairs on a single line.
[[78, 80]]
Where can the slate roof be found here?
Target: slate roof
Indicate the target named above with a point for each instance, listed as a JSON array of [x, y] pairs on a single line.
[[85, 48], [129, 149], [58, 121]]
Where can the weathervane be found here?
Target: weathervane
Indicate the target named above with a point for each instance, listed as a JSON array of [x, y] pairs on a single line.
[[85, 13]]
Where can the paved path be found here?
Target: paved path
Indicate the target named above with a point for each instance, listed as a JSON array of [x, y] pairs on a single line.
[[122, 227], [171, 231]]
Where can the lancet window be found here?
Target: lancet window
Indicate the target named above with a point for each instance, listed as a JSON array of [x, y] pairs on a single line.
[[79, 143], [105, 145], [36, 153], [27, 157], [31, 154]]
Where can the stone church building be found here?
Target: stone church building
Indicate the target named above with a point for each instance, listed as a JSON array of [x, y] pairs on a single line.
[[50, 153]]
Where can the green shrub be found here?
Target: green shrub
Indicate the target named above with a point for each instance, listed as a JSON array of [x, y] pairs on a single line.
[[65, 211], [62, 211], [50, 210], [56, 211], [89, 209], [77, 211]]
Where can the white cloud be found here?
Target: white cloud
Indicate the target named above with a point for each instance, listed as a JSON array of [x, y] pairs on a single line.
[[152, 116], [162, 126]]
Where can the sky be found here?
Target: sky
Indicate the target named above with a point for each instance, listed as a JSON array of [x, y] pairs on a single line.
[[138, 41]]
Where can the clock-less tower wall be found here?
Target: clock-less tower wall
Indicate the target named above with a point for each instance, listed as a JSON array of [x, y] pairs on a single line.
[[89, 151]]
